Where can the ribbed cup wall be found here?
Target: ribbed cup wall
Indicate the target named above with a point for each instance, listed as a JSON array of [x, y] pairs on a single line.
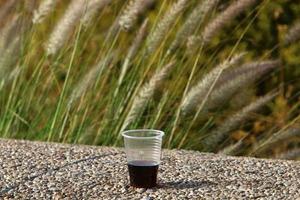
[[143, 145]]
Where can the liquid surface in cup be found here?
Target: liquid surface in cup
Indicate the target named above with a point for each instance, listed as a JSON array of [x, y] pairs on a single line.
[[143, 173]]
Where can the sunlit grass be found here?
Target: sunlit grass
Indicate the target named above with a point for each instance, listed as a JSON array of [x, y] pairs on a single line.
[[76, 95]]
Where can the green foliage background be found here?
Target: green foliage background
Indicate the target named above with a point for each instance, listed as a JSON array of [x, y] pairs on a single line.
[[29, 104]]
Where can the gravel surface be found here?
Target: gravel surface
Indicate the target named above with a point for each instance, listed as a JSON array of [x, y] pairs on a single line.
[[35, 170]]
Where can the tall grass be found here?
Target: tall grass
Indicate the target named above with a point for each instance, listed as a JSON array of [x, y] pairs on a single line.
[[85, 71]]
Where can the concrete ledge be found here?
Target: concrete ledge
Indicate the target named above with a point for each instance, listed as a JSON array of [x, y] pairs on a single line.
[[34, 170]]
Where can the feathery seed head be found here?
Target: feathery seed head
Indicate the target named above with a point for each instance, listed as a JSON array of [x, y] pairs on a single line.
[[88, 79], [9, 56], [290, 155], [223, 131], [279, 136], [193, 43], [224, 18], [65, 26], [236, 79], [195, 19], [93, 7], [132, 12], [5, 9], [30, 5], [254, 67], [10, 31], [164, 25], [146, 92], [285, 135], [10, 41], [194, 96], [141, 35], [293, 34], [46, 7], [232, 149]]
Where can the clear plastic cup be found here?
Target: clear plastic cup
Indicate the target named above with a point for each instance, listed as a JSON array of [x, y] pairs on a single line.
[[143, 151]]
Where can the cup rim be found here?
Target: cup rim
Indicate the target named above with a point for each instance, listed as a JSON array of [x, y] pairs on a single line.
[[158, 133]]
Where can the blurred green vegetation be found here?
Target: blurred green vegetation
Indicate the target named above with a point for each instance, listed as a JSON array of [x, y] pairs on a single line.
[[34, 105]]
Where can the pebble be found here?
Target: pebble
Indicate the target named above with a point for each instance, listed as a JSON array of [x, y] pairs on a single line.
[[35, 170]]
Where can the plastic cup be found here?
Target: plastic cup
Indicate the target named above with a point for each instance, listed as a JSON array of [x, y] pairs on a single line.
[[143, 152]]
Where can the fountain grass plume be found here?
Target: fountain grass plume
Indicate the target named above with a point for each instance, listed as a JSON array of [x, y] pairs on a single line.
[[10, 77], [65, 26], [195, 19], [285, 135], [133, 11], [192, 43], [10, 31], [196, 93], [145, 94], [164, 25], [224, 18], [30, 6], [232, 149], [293, 34], [8, 56], [289, 155], [251, 67], [279, 136], [133, 49], [223, 131], [44, 9], [236, 79], [93, 7], [88, 79], [5, 9], [10, 41]]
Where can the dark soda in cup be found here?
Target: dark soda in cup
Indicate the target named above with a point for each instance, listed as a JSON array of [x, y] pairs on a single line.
[[143, 173]]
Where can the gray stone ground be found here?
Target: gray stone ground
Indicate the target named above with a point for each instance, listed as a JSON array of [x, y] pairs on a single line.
[[34, 170]]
